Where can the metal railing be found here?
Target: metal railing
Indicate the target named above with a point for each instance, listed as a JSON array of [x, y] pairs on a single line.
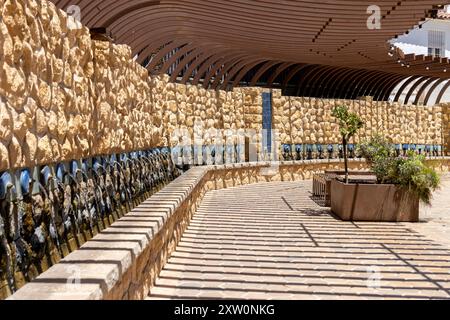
[[48, 211], [335, 151], [321, 189]]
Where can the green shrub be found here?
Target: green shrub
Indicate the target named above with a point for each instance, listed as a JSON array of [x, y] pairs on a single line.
[[408, 172], [374, 148], [413, 174], [379, 154], [382, 167]]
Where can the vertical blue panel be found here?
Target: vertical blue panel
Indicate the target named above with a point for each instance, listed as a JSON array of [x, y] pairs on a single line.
[[267, 121]]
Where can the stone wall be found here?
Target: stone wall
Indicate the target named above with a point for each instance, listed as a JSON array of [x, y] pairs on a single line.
[[308, 120], [65, 96], [193, 110], [122, 112], [144, 240], [446, 127]]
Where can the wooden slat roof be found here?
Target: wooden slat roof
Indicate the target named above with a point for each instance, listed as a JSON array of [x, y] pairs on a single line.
[[222, 41]]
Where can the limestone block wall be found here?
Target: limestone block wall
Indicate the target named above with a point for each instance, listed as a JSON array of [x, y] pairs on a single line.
[[65, 96], [253, 115], [301, 120], [201, 114], [282, 116], [304, 120], [122, 109], [45, 71], [446, 126]]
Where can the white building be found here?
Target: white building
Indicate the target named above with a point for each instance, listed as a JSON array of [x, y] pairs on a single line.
[[432, 38]]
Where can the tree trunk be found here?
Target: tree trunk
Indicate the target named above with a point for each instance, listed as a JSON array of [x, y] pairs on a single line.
[[344, 142]]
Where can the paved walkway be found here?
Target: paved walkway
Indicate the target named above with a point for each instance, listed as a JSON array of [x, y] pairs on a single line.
[[436, 219], [271, 241]]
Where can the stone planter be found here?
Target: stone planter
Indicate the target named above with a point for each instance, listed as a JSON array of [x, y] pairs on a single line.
[[373, 202]]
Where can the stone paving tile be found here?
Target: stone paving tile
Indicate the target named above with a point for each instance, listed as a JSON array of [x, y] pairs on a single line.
[[271, 241], [436, 219]]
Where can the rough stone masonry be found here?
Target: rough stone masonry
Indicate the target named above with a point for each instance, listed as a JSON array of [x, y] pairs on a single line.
[[65, 96]]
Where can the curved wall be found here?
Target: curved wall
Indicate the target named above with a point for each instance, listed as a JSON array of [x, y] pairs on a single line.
[[65, 96]]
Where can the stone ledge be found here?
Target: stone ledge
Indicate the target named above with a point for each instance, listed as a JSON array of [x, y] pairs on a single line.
[[102, 263], [123, 261]]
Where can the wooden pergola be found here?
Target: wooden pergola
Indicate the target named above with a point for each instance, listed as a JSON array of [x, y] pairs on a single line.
[[312, 48]]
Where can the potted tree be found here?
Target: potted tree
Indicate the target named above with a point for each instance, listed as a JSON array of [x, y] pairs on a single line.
[[349, 124], [402, 182]]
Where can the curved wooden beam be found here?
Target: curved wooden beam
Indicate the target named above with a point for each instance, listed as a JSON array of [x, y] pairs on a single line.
[[261, 72], [311, 33], [404, 86], [386, 89], [237, 68], [293, 72], [305, 77], [423, 88], [277, 72], [414, 87], [442, 92], [431, 91]]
